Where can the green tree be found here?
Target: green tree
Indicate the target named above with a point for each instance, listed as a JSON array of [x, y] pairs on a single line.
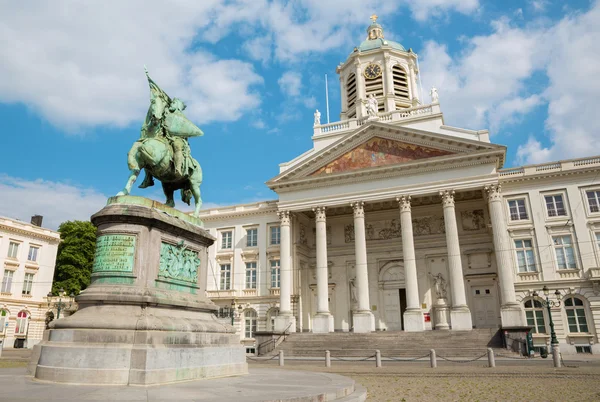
[[75, 256]]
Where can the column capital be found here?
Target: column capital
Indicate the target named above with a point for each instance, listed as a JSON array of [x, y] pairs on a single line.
[[284, 217], [447, 198], [359, 208], [404, 203], [319, 214], [493, 192]]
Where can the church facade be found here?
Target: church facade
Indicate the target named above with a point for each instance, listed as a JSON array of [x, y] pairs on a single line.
[[394, 221]]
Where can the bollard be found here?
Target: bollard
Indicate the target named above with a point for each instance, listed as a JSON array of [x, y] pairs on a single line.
[[377, 358], [327, 358], [432, 358], [280, 358], [556, 355], [491, 358]]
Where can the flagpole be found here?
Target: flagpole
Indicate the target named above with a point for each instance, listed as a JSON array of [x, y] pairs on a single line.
[[327, 98]]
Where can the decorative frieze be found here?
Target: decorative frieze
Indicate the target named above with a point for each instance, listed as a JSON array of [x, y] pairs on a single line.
[[390, 228], [473, 220], [178, 262]]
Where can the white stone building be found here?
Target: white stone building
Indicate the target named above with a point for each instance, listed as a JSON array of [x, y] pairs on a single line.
[[396, 221], [27, 258]]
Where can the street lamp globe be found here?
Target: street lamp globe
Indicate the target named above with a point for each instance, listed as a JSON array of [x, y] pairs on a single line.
[[546, 290]]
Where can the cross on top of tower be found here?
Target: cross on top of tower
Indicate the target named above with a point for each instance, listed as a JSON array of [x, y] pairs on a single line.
[[374, 18]]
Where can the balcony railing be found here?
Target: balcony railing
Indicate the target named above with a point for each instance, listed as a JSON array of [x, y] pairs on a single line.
[[560, 166]]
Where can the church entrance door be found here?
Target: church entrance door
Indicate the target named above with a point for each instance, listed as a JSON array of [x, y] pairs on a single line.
[[394, 305], [484, 306]]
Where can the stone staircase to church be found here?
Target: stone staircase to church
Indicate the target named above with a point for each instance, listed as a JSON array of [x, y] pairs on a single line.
[[462, 344]]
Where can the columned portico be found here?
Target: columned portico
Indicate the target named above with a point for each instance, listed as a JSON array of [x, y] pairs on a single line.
[[511, 312], [322, 321], [285, 321], [362, 319], [460, 315], [413, 318]]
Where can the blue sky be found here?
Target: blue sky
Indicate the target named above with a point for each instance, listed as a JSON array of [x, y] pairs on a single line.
[[73, 93]]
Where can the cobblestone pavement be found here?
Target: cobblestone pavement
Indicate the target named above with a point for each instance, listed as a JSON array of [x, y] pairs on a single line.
[[402, 381]]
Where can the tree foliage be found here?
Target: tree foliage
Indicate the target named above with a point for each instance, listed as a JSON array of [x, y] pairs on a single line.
[[75, 256]]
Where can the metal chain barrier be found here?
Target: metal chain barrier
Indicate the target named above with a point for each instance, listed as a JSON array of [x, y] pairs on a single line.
[[517, 357], [462, 361], [563, 363], [407, 359], [352, 360], [262, 360]]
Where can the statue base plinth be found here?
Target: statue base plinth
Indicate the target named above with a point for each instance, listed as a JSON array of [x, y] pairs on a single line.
[[145, 319]]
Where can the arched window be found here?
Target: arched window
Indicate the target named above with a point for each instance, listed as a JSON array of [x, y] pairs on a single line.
[[22, 321], [400, 83], [249, 323], [3, 320], [576, 314], [351, 95], [534, 311]]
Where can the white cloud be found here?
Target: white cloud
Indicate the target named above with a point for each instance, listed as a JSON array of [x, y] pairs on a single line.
[[55, 201], [539, 5], [290, 83], [80, 64], [425, 9]]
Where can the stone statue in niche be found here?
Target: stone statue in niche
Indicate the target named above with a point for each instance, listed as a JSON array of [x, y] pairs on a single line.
[[303, 240], [440, 285], [473, 220], [353, 294], [372, 106]]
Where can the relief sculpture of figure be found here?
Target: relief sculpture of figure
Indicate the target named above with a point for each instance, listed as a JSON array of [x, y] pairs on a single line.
[[163, 150], [372, 105]]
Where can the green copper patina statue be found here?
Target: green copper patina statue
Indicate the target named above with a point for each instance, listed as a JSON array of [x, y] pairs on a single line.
[[163, 150]]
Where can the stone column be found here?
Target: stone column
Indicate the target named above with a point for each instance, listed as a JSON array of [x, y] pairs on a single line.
[[413, 316], [322, 320], [511, 312], [388, 84], [343, 98], [414, 83], [285, 320], [460, 316], [361, 91], [363, 319]]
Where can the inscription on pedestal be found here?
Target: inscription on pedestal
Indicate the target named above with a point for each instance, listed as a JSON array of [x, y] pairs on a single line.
[[114, 253]]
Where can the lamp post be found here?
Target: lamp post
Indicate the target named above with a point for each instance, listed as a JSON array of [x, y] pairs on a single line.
[[60, 305], [232, 311], [548, 304]]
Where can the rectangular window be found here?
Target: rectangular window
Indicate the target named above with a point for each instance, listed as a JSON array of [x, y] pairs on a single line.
[[7, 281], [525, 255], [275, 274], [565, 254], [27, 283], [518, 212], [555, 205], [13, 249], [226, 240], [33, 253], [252, 237], [535, 319], [593, 197], [275, 238], [225, 277], [251, 275]]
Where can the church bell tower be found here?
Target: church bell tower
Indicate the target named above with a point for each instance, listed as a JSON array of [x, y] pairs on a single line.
[[382, 68]]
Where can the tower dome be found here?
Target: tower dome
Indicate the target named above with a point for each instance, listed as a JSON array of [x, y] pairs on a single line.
[[375, 39]]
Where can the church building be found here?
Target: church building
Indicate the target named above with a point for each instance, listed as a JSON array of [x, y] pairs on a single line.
[[395, 221]]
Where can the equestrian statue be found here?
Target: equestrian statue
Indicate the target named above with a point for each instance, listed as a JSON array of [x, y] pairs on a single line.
[[163, 150]]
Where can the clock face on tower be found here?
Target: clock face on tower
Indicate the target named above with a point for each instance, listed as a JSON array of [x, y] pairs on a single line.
[[372, 71]]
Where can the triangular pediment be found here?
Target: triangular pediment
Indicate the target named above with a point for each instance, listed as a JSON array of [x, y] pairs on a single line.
[[378, 151]]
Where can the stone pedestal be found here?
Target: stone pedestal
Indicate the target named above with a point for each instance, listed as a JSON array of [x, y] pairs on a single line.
[[441, 314], [413, 321], [460, 318], [512, 316], [322, 323], [145, 318], [363, 321], [285, 323]]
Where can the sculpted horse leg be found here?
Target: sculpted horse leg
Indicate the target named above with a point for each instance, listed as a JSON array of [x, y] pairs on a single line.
[[134, 167], [195, 181], [169, 190]]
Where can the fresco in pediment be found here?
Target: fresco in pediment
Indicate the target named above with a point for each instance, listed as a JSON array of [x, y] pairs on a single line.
[[379, 152]]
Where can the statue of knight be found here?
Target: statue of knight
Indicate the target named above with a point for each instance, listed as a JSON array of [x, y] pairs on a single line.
[[163, 150]]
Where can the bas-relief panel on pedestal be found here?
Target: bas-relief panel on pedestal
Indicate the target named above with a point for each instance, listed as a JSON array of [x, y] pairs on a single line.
[[379, 152], [178, 262]]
